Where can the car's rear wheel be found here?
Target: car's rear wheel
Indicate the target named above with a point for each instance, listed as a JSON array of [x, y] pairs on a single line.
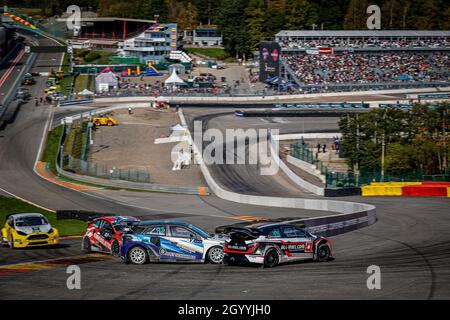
[[215, 255], [138, 255], [271, 258], [86, 245], [110, 123], [97, 123], [115, 248], [323, 253]]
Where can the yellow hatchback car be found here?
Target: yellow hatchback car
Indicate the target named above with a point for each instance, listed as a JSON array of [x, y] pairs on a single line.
[[28, 230]]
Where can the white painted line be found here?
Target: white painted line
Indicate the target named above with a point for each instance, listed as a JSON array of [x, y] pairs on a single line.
[[26, 201]]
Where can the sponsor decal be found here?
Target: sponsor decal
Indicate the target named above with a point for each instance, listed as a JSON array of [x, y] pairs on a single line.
[[236, 247], [275, 55]]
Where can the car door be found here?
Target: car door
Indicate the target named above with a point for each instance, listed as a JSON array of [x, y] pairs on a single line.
[[183, 244], [154, 236], [101, 233], [296, 243]]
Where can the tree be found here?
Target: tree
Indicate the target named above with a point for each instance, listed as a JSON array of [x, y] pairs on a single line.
[[301, 15], [255, 13], [148, 9], [234, 30], [187, 17], [356, 16]]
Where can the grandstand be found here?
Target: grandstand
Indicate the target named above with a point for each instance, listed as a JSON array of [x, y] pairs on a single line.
[[327, 61]]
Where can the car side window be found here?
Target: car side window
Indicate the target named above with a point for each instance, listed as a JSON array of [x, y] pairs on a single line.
[[11, 222], [98, 223], [157, 230], [292, 232], [180, 232], [274, 233]]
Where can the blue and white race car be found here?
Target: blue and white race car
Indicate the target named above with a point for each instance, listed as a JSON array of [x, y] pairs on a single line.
[[170, 241]]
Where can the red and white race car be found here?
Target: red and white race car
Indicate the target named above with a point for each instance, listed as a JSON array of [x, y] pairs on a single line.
[[105, 234], [270, 244]]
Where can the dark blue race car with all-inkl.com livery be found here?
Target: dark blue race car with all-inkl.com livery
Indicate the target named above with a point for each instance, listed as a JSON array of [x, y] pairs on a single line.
[[170, 241]]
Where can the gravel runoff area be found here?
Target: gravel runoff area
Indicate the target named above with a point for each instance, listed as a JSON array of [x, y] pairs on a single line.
[[130, 145]]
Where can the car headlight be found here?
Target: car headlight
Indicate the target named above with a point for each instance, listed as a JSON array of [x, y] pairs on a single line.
[[21, 233], [51, 230]]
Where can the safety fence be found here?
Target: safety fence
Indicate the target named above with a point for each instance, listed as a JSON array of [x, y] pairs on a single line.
[[75, 144], [349, 179], [105, 171], [337, 180]]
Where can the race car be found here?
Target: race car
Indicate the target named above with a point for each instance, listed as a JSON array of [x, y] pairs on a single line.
[[28, 230], [269, 244], [104, 234], [171, 241]]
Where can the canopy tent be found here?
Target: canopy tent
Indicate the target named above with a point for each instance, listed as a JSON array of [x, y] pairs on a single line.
[[105, 81], [174, 79], [86, 92]]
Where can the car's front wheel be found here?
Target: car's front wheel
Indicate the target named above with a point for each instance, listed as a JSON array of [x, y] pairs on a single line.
[[215, 255], [138, 255], [323, 253], [271, 258], [115, 248], [86, 245]]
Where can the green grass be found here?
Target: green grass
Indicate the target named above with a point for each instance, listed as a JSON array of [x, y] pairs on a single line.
[[51, 148], [104, 56], [65, 227], [84, 81], [214, 53]]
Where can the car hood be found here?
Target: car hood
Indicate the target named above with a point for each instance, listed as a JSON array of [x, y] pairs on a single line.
[[34, 229]]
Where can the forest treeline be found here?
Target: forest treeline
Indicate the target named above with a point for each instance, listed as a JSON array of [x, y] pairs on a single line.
[[244, 23]]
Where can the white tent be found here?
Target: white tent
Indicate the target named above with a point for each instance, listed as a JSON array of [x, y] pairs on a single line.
[[86, 92], [174, 79], [105, 81]]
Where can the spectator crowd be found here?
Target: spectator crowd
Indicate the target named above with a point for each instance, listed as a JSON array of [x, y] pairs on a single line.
[[364, 43], [370, 67]]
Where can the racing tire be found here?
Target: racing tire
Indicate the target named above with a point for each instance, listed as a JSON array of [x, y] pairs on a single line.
[[115, 249], [138, 255], [215, 255], [97, 123], [110, 123], [4, 243], [86, 246], [271, 258], [11, 242], [323, 253]]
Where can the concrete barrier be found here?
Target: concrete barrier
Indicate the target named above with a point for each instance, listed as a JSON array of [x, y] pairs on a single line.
[[305, 166], [115, 183], [291, 175], [351, 215]]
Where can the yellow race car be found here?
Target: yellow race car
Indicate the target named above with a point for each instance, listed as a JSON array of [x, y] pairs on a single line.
[[28, 230], [102, 120]]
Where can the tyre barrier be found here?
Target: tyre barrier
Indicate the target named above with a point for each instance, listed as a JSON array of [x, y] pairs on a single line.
[[407, 189]]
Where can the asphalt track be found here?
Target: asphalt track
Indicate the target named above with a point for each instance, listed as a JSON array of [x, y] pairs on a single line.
[[410, 242]]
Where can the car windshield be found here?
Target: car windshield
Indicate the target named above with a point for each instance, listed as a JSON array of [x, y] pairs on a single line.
[[30, 221], [200, 232]]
